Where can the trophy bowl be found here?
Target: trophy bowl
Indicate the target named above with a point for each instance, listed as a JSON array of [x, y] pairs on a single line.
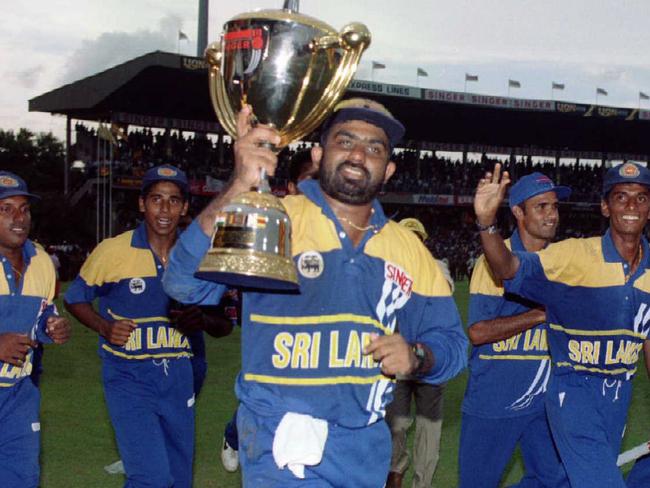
[[291, 69]]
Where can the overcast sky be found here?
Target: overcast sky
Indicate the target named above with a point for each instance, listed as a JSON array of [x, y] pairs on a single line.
[[583, 44]]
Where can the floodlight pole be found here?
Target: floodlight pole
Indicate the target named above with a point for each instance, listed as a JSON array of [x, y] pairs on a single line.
[[202, 36]]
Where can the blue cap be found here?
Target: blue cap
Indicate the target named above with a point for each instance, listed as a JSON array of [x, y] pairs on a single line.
[[535, 184], [626, 173], [12, 185], [166, 172], [367, 111]]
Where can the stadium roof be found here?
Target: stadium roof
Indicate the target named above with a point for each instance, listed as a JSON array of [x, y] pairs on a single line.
[[169, 90]]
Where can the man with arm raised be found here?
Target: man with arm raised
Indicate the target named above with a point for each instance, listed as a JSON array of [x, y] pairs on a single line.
[[509, 365], [596, 293]]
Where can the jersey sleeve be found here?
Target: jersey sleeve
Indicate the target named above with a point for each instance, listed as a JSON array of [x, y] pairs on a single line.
[[485, 294], [431, 318], [179, 281], [41, 329], [89, 284], [50, 309], [539, 271]]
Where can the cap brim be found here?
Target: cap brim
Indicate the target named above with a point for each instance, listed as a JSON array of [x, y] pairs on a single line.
[[184, 187], [18, 193], [562, 193], [392, 127], [607, 188]]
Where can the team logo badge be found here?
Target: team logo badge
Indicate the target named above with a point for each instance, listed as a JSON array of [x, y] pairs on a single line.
[[167, 172], [311, 264], [8, 182], [629, 170], [137, 286]]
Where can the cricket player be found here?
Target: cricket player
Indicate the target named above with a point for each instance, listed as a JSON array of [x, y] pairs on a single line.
[[596, 292], [510, 363], [317, 365], [28, 317], [147, 373]]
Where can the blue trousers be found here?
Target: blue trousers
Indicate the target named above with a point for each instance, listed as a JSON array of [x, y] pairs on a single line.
[[639, 477], [587, 414], [486, 446], [230, 432], [354, 458], [19, 435], [151, 406]]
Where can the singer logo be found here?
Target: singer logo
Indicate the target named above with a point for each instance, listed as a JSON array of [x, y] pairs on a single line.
[[398, 276]]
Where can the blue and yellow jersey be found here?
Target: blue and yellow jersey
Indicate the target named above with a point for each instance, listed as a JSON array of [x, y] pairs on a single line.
[[507, 378], [302, 352], [25, 308], [597, 318], [126, 275]]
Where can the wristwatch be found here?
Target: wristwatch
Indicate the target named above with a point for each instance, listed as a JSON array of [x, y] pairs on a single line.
[[420, 355]]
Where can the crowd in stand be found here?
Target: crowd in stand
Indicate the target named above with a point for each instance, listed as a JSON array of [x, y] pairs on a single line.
[[418, 171], [454, 238]]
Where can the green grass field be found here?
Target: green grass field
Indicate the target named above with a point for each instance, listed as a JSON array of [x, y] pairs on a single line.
[[77, 440]]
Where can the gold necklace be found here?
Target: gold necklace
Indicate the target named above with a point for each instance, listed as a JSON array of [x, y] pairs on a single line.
[[358, 227], [17, 274]]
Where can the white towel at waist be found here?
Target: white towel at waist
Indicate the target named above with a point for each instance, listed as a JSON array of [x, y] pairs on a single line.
[[299, 441]]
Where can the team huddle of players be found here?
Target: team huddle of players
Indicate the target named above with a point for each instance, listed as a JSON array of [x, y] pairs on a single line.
[[556, 328]]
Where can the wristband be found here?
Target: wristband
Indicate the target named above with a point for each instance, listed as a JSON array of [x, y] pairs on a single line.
[[490, 229]]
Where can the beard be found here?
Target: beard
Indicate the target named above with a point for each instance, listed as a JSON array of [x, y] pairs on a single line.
[[351, 191]]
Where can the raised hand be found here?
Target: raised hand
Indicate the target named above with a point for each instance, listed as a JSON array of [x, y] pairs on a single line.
[[252, 153], [489, 194]]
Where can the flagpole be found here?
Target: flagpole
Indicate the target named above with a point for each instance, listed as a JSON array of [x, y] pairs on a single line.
[[465, 91]]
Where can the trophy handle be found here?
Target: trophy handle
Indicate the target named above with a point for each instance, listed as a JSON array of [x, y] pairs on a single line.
[[354, 39], [227, 118]]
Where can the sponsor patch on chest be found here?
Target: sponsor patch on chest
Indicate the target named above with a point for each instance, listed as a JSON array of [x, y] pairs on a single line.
[[137, 286], [311, 264]]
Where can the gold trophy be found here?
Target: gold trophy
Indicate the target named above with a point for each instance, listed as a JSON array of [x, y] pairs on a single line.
[[291, 69]]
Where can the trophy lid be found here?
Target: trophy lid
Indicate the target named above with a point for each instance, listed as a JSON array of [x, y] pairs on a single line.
[[286, 16]]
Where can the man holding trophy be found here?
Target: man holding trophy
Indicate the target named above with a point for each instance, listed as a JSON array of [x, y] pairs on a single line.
[[317, 365], [337, 299]]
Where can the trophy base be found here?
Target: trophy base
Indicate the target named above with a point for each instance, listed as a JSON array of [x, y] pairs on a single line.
[[248, 269]]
